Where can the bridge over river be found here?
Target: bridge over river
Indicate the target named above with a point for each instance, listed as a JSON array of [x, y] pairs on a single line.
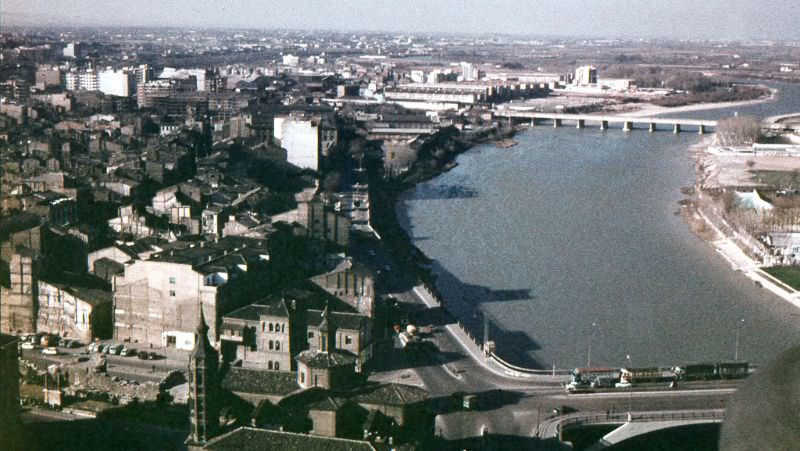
[[628, 122]]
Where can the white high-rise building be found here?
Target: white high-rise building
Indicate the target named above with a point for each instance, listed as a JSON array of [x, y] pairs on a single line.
[[69, 50], [71, 81], [87, 80], [306, 140], [468, 71], [116, 83], [585, 75]]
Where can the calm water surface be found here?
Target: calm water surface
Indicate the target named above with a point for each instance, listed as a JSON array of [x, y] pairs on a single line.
[[571, 244]]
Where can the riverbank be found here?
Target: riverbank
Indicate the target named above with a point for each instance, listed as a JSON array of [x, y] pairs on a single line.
[[649, 109], [705, 221]]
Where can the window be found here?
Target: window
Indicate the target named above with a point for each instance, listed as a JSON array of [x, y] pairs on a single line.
[[172, 293], [283, 327], [302, 377], [277, 366], [348, 340], [171, 340], [270, 327], [271, 345], [269, 365], [263, 327], [172, 280], [311, 335], [277, 345]]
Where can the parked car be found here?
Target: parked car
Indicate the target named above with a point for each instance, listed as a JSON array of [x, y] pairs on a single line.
[[50, 351], [93, 347], [28, 345], [154, 356], [126, 351], [72, 344], [115, 349], [103, 349], [142, 355]]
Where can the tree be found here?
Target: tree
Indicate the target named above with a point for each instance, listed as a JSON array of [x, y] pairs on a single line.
[[738, 131]]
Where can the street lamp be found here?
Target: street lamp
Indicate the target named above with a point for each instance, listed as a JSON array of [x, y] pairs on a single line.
[[589, 349], [630, 386], [738, 332]]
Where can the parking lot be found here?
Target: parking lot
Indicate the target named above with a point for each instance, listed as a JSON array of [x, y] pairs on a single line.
[[140, 365]]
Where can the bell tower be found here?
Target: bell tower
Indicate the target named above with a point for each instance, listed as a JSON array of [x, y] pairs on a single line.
[[203, 402]]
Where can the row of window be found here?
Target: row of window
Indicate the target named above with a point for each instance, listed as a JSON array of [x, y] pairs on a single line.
[[274, 345], [273, 327], [348, 340], [273, 365]]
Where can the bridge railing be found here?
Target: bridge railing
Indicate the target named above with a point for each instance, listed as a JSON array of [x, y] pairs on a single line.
[[715, 414], [510, 366]]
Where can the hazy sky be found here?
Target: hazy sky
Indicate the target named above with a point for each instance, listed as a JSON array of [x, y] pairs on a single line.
[[712, 19]]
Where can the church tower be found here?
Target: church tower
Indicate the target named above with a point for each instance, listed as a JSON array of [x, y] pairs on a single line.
[[203, 402]]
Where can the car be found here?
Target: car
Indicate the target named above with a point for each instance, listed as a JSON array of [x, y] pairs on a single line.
[[154, 356], [72, 344], [50, 351], [103, 349], [142, 355], [127, 352], [28, 345], [115, 349], [93, 347]]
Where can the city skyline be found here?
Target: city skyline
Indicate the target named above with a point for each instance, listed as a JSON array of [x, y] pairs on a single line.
[[713, 20]]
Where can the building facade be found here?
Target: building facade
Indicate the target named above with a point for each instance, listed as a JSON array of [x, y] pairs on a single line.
[[261, 336]]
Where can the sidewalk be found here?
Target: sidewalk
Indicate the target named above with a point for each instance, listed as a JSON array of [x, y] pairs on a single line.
[[740, 261], [473, 350]]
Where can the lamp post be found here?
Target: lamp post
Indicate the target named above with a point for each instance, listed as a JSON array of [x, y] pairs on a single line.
[[589, 349], [630, 386], [736, 347]]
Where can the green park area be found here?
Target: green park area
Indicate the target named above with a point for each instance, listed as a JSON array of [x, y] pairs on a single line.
[[790, 275]]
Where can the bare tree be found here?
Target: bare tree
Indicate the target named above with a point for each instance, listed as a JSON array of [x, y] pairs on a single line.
[[738, 131]]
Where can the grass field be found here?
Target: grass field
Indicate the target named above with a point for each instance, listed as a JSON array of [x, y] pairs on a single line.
[[788, 274]]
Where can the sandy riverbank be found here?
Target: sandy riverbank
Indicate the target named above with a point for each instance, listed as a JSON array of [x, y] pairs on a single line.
[[648, 109]]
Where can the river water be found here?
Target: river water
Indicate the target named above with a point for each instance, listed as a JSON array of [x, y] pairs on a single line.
[[570, 244]]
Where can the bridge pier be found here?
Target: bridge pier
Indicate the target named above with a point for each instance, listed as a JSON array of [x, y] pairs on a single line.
[[627, 126], [603, 125], [701, 129], [579, 123], [556, 123], [677, 128], [652, 127], [533, 122]]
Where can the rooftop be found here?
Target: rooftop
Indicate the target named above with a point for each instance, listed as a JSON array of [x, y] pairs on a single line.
[[245, 439], [254, 312], [260, 382], [391, 394], [319, 359], [338, 320]]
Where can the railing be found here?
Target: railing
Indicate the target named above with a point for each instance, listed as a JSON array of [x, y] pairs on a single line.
[[711, 415], [520, 369]]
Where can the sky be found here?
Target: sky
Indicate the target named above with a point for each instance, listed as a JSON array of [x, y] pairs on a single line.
[[674, 19]]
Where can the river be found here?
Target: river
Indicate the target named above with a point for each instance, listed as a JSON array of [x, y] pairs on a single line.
[[570, 244]]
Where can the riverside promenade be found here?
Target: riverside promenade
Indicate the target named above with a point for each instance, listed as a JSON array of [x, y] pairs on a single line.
[[490, 362], [726, 246]]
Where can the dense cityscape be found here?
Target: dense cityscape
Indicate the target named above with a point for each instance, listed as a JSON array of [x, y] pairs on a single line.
[[209, 238]]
